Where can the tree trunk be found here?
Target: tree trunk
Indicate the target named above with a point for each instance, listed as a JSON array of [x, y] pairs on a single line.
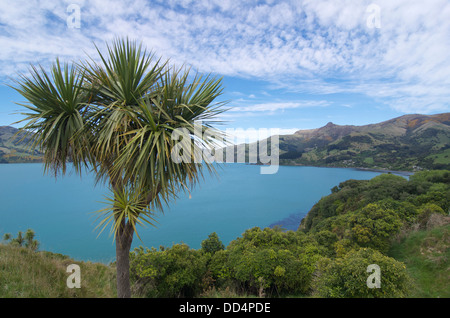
[[123, 244]]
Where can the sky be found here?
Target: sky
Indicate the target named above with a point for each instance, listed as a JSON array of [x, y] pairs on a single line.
[[285, 65]]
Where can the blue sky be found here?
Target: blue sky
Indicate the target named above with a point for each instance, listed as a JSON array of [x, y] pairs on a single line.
[[286, 64]]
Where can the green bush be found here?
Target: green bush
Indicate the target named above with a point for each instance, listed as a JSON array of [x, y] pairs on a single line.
[[348, 276], [371, 226], [269, 261], [374, 226], [328, 240], [404, 209], [342, 234], [220, 270], [212, 244], [21, 240], [171, 272], [425, 211]]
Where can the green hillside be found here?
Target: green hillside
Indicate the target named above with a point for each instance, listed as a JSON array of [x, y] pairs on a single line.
[[426, 255], [28, 274], [408, 220], [409, 143], [14, 148]]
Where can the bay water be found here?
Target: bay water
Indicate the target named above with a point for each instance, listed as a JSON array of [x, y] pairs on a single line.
[[61, 211]]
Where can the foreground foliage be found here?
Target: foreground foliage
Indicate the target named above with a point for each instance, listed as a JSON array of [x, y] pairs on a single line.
[[400, 225], [426, 255], [346, 276], [355, 226], [121, 117], [31, 274]]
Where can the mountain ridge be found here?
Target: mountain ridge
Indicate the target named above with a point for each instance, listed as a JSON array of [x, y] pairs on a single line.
[[405, 122], [14, 147], [408, 142]]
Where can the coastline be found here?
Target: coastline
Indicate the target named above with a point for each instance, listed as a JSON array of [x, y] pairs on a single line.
[[398, 172], [289, 222], [381, 170]]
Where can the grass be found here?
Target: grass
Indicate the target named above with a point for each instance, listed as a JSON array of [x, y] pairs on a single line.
[[28, 274], [427, 258], [443, 157]]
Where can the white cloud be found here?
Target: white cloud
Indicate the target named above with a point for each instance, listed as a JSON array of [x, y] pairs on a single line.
[[273, 107], [240, 135], [310, 46]]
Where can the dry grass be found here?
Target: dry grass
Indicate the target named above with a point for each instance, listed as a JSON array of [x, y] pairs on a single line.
[[28, 274]]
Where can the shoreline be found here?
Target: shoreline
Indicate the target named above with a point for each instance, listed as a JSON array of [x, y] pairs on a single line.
[[401, 172], [381, 170], [288, 222]]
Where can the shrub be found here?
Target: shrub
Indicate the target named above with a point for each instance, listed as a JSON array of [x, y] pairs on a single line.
[[347, 276], [328, 240], [426, 211], [212, 244], [171, 272], [373, 226], [268, 261], [21, 240]]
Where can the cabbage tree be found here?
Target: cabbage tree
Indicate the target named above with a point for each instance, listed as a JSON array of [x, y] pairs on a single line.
[[118, 115]]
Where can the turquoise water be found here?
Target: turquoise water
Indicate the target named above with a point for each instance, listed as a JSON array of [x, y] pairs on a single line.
[[60, 211]]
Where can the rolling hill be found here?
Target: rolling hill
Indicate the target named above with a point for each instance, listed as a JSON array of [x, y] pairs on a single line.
[[14, 148], [409, 142]]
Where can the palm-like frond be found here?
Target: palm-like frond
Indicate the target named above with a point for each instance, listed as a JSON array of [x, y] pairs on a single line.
[[56, 102], [175, 105], [119, 116], [123, 77], [125, 74], [125, 205]]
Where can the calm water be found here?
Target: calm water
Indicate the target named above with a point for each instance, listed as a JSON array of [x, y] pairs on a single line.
[[60, 211]]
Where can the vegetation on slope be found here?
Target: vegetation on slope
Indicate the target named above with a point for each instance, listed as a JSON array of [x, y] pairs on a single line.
[[426, 255], [360, 223], [410, 142], [25, 273], [398, 224], [14, 148], [423, 193], [406, 143]]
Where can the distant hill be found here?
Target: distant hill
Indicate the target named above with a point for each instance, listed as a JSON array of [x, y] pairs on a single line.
[[14, 148], [409, 142]]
